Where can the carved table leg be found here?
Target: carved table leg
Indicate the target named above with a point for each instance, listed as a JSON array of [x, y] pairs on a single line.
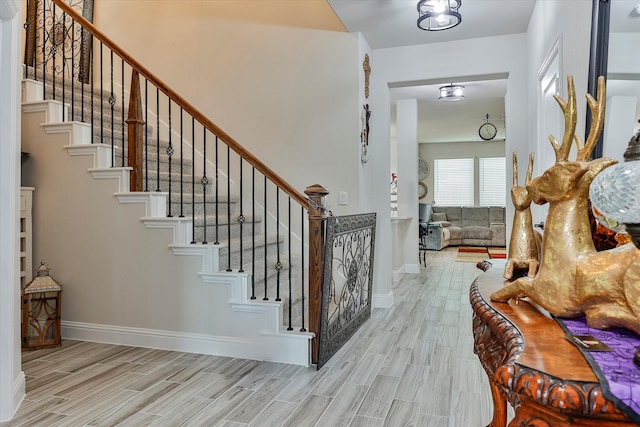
[[499, 407]]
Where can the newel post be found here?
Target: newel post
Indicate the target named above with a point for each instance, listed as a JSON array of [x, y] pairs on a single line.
[[135, 128], [317, 216]]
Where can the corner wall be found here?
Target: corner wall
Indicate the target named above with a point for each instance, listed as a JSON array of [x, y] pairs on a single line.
[[12, 380]]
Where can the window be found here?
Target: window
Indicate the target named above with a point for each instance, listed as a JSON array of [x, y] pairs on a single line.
[[493, 187], [459, 182], [453, 181]]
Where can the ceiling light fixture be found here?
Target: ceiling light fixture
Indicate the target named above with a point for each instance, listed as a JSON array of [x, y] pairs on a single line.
[[451, 92], [437, 15]]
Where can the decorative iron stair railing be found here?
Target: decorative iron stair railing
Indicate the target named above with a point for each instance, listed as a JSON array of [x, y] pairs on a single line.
[[231, 197]]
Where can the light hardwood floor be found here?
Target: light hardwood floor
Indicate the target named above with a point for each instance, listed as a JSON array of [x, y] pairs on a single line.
[[410, 365]]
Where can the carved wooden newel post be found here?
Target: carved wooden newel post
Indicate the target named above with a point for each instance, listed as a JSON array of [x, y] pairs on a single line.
[[135, 134], [317, 216]]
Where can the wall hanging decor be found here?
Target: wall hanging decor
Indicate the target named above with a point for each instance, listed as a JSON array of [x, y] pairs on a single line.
[[367, 70], [364, 134], [53, 43]]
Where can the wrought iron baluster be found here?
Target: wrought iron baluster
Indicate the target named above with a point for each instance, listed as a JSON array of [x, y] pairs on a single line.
[[92, 97], [265, 220], [146, 135], [216, 241], [193, 181], [157, 139], [73, 88], [240, 217], [278, 263], [30, 37], [253, 233], [181, 170], [170, 153], [112, 103], [302, 328], [102, 103], [52, 41], [229, 208], [290, 328], [44, 56], [204, 180], [81, 80], [64, 57], [124, 135]]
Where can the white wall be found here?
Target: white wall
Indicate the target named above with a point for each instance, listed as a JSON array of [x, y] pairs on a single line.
[[569, 20], [286, 93], [12, 382]]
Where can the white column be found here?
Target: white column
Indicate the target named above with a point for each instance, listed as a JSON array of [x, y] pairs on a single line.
[[407, 158], [12, 383]]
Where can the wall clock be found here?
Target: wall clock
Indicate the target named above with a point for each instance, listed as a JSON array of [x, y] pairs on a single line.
[[422, 190], [423, 169], [487, 131]]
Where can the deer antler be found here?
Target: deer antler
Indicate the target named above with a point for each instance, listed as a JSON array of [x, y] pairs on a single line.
[[515, 169], [597, 121], [570, 119], [530, 168]]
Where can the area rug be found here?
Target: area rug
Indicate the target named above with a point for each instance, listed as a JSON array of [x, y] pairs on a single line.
[[497, 252], [472, 254], [473, 249]]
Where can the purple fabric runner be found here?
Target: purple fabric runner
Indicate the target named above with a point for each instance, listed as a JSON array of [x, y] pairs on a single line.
[[619, 377]]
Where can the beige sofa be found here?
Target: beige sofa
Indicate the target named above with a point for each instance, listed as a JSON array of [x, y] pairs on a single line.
[[467, 226]]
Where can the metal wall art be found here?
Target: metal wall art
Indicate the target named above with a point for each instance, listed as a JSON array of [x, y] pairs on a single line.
[[54, 43], [364, 134], [348, 278]]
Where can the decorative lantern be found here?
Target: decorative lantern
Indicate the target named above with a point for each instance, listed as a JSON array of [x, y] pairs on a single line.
[[41, 304]]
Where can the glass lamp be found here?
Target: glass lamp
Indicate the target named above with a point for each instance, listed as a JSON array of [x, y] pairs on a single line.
[[438, 15], [615, 192], [451, 92], [41, 304]]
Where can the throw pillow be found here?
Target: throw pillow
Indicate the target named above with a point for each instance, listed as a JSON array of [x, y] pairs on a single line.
[[438, 216]]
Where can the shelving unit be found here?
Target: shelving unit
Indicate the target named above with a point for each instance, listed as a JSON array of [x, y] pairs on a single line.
[[26, 237]]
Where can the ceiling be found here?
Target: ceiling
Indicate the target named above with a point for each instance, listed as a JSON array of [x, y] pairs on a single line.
[[392, 23]]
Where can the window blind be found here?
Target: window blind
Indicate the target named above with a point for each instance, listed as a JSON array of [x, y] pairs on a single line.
[[453, 182], [492, 176]]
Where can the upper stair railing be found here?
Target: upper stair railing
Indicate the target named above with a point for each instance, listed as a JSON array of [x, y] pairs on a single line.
[[230, 196]]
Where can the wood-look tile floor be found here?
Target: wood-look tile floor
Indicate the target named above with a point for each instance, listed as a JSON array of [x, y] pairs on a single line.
[[410, 365]]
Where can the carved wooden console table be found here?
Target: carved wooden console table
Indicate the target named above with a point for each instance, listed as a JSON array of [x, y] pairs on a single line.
[[531, 365]]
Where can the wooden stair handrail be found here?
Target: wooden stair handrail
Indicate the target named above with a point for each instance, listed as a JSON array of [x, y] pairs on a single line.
[[187, 107]]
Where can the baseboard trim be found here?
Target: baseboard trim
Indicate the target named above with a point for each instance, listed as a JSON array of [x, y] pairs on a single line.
[[396, 275], [280, 348], [19, 391], [412, 268], [382, 300], [405, 269]]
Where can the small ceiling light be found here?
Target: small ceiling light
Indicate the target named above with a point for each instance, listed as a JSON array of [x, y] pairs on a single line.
[[437, 15], [451, 92]]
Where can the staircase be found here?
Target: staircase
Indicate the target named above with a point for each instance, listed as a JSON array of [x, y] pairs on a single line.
[[181, 265]]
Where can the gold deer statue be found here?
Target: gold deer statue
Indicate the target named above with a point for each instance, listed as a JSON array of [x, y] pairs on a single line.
[[573, 278], [525, 243]]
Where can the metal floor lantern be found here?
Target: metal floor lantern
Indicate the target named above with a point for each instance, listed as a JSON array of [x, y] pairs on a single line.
[[41, 304]]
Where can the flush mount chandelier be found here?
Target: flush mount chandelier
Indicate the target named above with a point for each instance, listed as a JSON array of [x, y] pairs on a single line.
[[451, 92], [437, 15]]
